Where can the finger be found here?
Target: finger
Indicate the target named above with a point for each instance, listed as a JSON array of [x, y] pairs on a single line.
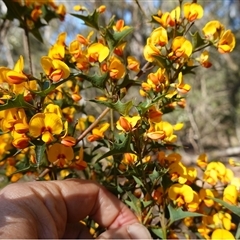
[[59, 203], [76, 231], [134, 231]]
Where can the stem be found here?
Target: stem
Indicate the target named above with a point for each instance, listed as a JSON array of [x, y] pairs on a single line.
[[28, 47], [94, 124]]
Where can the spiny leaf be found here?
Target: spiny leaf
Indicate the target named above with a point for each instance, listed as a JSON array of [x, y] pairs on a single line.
[[90, 20], [232, 208], [120, 107], [178, 214], [96, 80], [17, 102], [134, 203], [158, 232], [120, 147], [197, 40]]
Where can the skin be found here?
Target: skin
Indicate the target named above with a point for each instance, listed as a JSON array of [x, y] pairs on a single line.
[[53, 209]]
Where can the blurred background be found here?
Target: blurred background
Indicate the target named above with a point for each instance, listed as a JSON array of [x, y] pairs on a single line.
[[212, 114]]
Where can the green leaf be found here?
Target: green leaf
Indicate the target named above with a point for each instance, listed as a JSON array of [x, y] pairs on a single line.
[[119, 36], [134, 204], [35, 32], [120, 107], [138, 181], [158, 232], [178, 214], [90, 20], [116, 38], [232, 208], [163, 62], [120, 147], [17, 102], [40, 155], [197, 40], [96, 80]]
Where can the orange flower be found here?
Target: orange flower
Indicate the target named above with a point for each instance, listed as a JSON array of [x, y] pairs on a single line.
[[98, 132], [127, 124]]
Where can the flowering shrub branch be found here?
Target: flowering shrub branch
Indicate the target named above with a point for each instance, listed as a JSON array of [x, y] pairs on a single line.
[[47, 132]]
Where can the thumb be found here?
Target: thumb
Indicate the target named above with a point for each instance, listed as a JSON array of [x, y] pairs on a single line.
[[133, 231]]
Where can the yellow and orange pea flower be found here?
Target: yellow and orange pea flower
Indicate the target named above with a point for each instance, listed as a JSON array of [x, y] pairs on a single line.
[[181, 48], [119, 26], [133, 64], [129, 158], [206, 196], [154, 115], [181, 194], [45, 125], [168, 18], [55, 69], [61, 154], [98, 132], [150, 50], [97, 52], [169, 159], [163, 131], [204, 59], [181, 87], [78, 162], [215, 32], [116, 68], [127, 124], [101, 9], [57, 51], [14, 119], [192, 11], [15, 76]]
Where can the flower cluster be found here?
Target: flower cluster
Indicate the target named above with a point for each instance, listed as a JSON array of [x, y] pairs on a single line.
[[50, 130]]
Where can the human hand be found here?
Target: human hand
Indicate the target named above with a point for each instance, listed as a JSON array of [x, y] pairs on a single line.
[[53, 209]]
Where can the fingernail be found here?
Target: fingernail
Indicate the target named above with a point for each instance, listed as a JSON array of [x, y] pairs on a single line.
[[138, 231]]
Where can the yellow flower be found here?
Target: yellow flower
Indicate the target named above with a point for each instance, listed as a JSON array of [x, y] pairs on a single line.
[[116, 68], [159, 37], [61, 153], [230, 194], [98, 132], [181, 194], [222, 220], [202, 160], [194, 204], [222, 234], [181, 86], [150, 51], [55, 69], [133, 64], [192, 11], [154, 114], [213, 30], [53, 108], [206, 195], [16, 76], [57, 51], [227, 42], [127, 124], [97, 52], [45, 125], [162, 131], [129, 158], [204, 59], [181, 48]]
